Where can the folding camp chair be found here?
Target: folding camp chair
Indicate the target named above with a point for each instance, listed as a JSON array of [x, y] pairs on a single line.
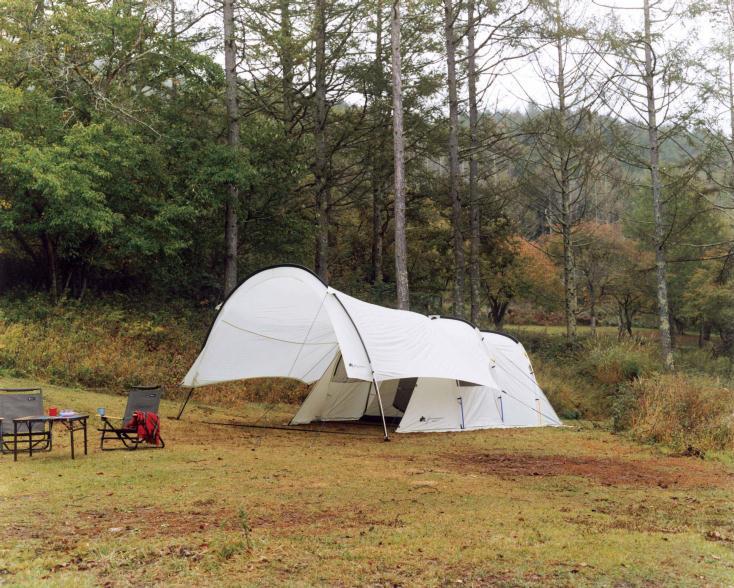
[[139, 398], [22, 402]]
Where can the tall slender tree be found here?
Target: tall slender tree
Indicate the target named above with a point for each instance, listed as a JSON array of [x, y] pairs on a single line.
[[377, 173], [321, 162], [450, 19], [233, 139], [650, 77], [650, 74], [401, 246], [474, 208], [566, 148]]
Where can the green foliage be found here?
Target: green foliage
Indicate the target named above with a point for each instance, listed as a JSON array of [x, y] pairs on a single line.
[[615, 364]]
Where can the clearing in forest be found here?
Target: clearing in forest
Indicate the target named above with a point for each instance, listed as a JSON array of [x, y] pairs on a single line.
[[220, 505]]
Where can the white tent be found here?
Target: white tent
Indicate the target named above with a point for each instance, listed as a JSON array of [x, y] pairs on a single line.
[[437, 374]]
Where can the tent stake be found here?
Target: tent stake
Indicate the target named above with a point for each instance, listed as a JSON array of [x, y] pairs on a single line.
[[382, 412], [180, 412]]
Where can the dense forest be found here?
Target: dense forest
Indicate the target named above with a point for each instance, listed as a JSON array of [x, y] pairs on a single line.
[[506, 161]]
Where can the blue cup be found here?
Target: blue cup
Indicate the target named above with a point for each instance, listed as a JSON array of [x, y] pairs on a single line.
[[101, 411]]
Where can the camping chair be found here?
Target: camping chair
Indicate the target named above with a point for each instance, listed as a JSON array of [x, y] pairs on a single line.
[[22, 402], [139, 398]]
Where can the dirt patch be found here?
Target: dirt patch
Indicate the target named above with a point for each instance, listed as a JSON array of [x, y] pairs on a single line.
[[147, 522], [663, 472]]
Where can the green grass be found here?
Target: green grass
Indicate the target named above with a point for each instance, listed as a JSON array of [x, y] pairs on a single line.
[[233, 506]]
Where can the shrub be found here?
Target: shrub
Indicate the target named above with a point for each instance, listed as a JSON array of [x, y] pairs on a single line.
[[110, 344], [613, 363], [683, 412]]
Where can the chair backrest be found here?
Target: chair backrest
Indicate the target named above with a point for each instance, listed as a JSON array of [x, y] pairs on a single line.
[[19, 402], [145, 398]]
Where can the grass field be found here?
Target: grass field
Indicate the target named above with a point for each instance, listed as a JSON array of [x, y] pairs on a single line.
[[259, 507]]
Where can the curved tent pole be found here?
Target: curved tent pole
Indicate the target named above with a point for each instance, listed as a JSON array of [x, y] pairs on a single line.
[[227, 297], [367, 353], [252, 275]]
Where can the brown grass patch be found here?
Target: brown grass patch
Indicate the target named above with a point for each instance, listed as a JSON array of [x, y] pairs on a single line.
[[663, 473]]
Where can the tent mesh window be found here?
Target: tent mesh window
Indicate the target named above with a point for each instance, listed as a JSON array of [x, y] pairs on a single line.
[[404, 392], [340, 374]]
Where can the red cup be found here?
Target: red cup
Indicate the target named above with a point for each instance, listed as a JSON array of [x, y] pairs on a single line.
[[53, 411]]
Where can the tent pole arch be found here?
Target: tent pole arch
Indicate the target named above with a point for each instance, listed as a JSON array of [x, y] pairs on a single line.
[[227, 297], [367, 353]]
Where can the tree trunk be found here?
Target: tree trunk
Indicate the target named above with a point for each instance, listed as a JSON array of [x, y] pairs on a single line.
[[456, 212], [377, 174], [401, 246], [652, 134], [321, 158], [569, 267], [474, 209], [498, 311], [233, 139], [286, 61]]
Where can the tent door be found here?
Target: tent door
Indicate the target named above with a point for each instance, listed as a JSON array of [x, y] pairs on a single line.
[[406, 386]]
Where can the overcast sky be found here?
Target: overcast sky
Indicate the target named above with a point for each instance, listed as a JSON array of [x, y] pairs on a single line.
[[520, 81]]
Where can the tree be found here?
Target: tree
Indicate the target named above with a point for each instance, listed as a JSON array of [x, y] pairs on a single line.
[[608, 264], [567, 154], [451, 16], [514, 269], [474, 208], [320, 157], [401, 247], [710, 299], [650, 76], [233, 140], [377, 155]]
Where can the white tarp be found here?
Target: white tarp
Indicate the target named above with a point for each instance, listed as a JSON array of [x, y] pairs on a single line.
[[284, 322]]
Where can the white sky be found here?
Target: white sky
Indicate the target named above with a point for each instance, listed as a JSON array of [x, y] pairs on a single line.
[[520, 82]]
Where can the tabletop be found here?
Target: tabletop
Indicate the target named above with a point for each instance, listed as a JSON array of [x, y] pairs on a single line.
[[45, 417]]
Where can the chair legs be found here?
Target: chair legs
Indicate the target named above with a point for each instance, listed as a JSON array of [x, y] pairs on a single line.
[[38, 440], [129, 441]]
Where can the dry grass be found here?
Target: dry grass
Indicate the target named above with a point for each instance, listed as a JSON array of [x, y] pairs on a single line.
[[108, 347], [684, 412], [255, 507]]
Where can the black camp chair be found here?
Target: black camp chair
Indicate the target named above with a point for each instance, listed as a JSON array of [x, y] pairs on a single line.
[[22, 402], [142, 398]]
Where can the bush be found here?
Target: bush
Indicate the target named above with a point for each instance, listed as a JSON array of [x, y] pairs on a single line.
[[616, 363], [684, 412], [110, 344]]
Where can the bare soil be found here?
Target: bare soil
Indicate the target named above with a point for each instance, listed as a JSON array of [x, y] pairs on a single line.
[[664, 472]]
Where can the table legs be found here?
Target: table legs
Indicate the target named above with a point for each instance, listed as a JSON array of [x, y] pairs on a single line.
[[70, 425]]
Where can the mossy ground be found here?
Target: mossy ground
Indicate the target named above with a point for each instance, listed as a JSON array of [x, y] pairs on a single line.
[[230, 506]]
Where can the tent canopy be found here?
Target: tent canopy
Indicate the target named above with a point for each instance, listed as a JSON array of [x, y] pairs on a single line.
[[285, 322], [434, 373]]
